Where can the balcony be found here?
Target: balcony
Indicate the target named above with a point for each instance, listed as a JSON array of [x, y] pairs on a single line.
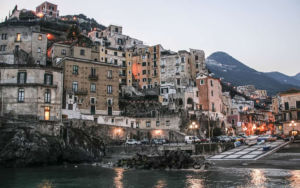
[[177, 64], [18, 40], [110, 103], [177, 73], [122, 75], [93, 77], [154, 75], [123, 65], [154, 66], [77, 91], [162, 65], [93, 103]]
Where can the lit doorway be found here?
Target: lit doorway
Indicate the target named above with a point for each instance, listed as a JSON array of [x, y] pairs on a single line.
[[47, 113]]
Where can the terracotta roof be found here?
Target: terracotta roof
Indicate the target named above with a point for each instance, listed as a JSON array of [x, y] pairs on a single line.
[[290, 91]]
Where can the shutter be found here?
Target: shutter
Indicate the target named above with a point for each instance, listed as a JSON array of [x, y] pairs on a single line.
[[45, 78], [25, 77], [51, 79], [18, 79]]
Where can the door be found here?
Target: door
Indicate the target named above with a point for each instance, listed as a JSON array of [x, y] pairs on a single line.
[[109, 111], [47, 113], [93, 110]]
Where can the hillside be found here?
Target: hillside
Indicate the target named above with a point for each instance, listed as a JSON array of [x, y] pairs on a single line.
[[297, 76], [236, 73], [284, 79]]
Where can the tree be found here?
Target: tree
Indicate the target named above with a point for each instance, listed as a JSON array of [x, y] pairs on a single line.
[[73, 32], [217, 131]]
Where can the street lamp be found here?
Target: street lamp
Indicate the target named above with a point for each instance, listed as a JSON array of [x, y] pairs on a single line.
[[194, 126], [293, 124]]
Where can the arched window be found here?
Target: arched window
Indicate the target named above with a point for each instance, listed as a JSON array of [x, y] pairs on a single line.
[[190, 101], [180, 102], [47, 96]]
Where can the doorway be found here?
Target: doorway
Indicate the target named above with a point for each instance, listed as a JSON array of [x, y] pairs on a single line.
[[109, 111], [47, 113], [93, 110]]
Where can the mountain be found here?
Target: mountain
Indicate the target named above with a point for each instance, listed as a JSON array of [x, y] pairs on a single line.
[[238, 74], [284, 79], [297, 76]]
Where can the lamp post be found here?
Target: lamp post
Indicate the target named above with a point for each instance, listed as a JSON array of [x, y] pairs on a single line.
[[293, 124], [253, 128], [194, 126], [245, 129]]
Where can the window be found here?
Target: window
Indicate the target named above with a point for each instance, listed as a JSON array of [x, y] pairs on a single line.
[[201, 106], [40, 37], [154, 64], [22, 77], [47, 113], [154, 56], [182, 59], [232, 122], [129, 63], [129, 72], [116, 61], [109, 89], [39, 50], [112, 120], [48, 79], [18, 39], [93, 100], [196, 57], [75, 87], [298, 104], [144, 87], [155, 84], [143, 56], [168, 123], [93, 87], [148, 124], [144, 72], [157, 123], [105, 51], [115, 53], [21, 95], [213, 106], [212, 93], [201, 82], [144, 64], [109, 74], [47, 96], [123, 55], [93, 71], [148, 71], [286, 106], [109, 102], [70, 106], [178, 81], [116, 30], [137, 125], [126, 121], [162, 70], [75, 69], [75, 99], [82, 52], [2, 48], [144, 79], [154, 49], [70, 96], [211, 83], [63, 52], [105, 60], [4, 36]]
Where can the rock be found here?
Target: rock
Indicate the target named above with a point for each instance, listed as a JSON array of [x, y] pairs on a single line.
[[197, 166]]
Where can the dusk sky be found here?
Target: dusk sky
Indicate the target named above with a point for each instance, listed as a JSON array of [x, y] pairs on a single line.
[[264, 35]]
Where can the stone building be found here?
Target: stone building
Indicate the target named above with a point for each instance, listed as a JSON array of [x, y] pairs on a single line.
[[31, 92], [90, 87], [48, 9], [290, 112], [22, 45]]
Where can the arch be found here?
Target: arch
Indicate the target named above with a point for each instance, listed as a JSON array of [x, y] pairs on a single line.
[[190, 101], [180, 101]]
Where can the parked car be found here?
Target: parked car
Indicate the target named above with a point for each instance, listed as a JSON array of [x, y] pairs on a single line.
[[232, 138], [204, 139], [216, 139], [132, 142], [225, 139], [145, 141], [156, 142], [279, 136], [191, 139], [163, 141]]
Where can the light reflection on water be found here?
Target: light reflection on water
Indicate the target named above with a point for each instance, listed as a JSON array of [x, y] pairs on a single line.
[[295, 178], [258, 177], [45, 184], [161, 184], [119, 177], [194, 182]]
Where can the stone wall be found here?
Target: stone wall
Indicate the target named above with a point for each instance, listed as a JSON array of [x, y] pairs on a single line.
[[132, 150], [205, 148]]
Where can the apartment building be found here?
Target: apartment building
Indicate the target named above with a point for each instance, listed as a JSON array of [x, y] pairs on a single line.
[[146, 66], [90, 87], [290, 112], [22, 44], [31, 92], [48, 9]]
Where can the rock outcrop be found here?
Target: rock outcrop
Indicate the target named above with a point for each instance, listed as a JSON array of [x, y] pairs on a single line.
[[25, 146]]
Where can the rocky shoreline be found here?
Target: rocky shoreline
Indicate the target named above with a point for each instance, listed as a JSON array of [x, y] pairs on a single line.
[[25, 146]]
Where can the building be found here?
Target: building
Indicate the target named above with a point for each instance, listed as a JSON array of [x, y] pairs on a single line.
[[90, 87], [47, 9], [31, 92], [261, 94], [290, 100], [22, 45]]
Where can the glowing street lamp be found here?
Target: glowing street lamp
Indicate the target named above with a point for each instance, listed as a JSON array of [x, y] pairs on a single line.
[[293, 124], [194, 126]]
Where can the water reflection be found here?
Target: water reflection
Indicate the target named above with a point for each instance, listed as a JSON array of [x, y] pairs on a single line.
[[258, 177], [295, 178], [119, 177], [194, 182], [45, 184], [161, 184]]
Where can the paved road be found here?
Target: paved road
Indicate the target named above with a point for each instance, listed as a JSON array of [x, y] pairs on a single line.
[[247, 152]]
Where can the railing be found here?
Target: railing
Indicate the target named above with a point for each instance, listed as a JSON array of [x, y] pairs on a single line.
[[51, 118], [177, 64], [77, 91], [177, 73], [93, 77], [16, 40], [93, 103], [154, 75], [122, 74]]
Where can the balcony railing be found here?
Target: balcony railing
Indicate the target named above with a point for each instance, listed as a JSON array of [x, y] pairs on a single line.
[[154, 75], [93, 103], [18, 40], [93, 77], [177, 73], [177, 64], [77, 91], [123, 75], [163, 65]]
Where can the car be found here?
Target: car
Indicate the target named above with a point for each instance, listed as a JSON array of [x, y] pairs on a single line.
[[192, 139], [156, 142], [279, 136], [132, 142], [145, 141], [204, 139], [232, 138], [225, 139], [164, 141], [216, 139]]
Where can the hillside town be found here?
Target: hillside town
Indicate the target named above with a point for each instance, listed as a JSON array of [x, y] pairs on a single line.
[[97, 74]]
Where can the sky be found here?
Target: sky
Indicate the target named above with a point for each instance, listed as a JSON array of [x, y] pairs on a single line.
[[263, 34]]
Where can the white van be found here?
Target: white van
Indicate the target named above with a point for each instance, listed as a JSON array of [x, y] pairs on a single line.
[[191, 139]]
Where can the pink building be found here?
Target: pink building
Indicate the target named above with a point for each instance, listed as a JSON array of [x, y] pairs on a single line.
[[47, 8]]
